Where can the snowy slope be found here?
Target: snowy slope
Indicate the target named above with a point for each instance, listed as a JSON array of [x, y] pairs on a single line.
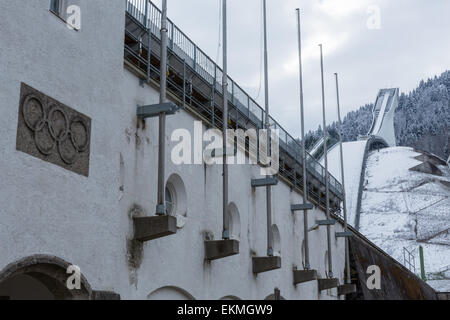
[[353, 159], [403, 208]]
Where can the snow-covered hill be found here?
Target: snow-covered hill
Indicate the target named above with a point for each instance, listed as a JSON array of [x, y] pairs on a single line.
[[405, 209]]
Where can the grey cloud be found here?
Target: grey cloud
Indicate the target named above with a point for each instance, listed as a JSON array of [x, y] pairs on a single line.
[[411, 44]]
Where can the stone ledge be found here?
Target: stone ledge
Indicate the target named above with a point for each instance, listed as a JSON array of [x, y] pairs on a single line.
[[264, 264], [150, 228], [105, 295], [346, 289], [301, 276], [325, 284], [218, 249]]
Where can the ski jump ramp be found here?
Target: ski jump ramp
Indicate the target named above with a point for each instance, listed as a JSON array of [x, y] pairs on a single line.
[[380, 135], [383, 116]]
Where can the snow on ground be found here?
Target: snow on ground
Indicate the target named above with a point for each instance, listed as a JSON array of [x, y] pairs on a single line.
[[440, 285], [353, 158], [402, 208]]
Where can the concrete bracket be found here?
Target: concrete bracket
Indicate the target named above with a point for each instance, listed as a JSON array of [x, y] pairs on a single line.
[[301, 276], [150, 228], [264, 264], [218, 153], [104, 295], [347, 234], [269, 181], [346, 289], [325, 284], [326, 222], [301, 207], [154, 110], [218, 249]]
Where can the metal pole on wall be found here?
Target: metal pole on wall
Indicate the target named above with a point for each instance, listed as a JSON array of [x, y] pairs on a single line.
[[347, 256], [225, 234], [325, 153], [161, 206], [267, 126], [149, 39], [422, 264], [302, 116]]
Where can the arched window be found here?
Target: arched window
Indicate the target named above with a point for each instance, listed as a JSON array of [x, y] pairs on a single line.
[[176, 199], [235, 221], [170, 200], [276, 245]]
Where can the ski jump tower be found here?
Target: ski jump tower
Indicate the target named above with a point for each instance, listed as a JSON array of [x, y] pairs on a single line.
[[382, 132], [383, 116]]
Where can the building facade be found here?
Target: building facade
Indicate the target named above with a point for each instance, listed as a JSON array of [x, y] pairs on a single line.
[[77, 166]]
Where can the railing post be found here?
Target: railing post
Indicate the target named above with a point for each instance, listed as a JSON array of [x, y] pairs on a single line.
[[234, 104], [171, 35], [149, 40], [184, 83], [213, 91], [195, 58], [404, 258]]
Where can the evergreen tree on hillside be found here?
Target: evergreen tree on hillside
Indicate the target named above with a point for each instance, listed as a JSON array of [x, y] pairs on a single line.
[[422, 119]]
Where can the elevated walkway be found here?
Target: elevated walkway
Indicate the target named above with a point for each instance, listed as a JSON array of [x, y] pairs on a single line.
[[194, 82]]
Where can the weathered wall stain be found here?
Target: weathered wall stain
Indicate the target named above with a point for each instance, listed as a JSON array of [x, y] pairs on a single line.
[[135, 249]]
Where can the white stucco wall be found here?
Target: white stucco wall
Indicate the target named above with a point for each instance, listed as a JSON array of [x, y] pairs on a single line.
[[86, 221]]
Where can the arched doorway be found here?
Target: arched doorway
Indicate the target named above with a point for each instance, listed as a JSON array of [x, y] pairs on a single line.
[[170, 293], [40, 277], [230, 298]]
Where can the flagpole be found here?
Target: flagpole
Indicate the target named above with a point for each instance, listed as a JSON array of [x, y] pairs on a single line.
[[347, 256], [325, 153], [267, 126], [225, 233], [302, 116]]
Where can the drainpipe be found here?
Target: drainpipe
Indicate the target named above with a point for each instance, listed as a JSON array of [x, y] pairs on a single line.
[[161, 206], [267, 125], [347, 256], [327, 187], [305, 186], [226, 232]]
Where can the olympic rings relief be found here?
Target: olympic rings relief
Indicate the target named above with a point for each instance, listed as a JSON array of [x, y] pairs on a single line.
[[43, 122]]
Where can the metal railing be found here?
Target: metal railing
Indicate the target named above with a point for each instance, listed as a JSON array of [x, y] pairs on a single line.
[[195, 58], [409, 260]]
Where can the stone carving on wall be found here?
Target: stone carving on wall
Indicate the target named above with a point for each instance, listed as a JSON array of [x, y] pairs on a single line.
[[52, 131]]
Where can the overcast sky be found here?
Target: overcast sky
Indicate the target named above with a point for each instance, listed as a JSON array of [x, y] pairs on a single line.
[[408, 42]]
